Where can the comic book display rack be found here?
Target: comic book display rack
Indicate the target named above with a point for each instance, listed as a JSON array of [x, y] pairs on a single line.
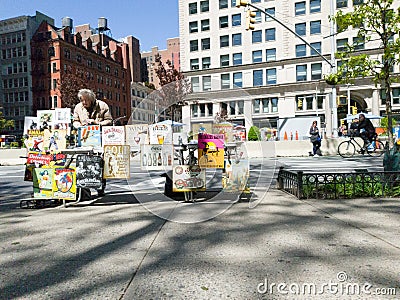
[[62, 174]]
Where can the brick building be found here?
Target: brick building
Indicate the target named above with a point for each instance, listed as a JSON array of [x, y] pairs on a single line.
[[102, 65]]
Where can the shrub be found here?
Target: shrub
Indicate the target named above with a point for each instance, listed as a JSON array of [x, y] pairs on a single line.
[[254, 134]]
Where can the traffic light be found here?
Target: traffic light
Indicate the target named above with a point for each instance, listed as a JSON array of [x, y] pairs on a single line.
[[240, 3], [250, 19], [341, 100], [354, 110]]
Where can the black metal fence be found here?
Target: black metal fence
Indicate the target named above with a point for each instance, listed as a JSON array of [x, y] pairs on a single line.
[[339, 185]]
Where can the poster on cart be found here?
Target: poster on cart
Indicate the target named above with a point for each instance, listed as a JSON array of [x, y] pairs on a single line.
[[89, 136], [117, 161], [236, 175], [136, 135], [62, 119], [157, 157], [64, 186], [211, 150], [226, 129], [43, 183], [160, 134], [34, 142], [113, 135], [89, 171], [30, 123], [186, 178], [45, 119], [55, 140]]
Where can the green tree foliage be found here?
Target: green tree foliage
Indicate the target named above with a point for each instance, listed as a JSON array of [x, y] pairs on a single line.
[[4, 123], [254, 134], [374, 20]]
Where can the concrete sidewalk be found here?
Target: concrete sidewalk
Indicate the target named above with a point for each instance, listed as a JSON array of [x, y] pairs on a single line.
[[117, 248]]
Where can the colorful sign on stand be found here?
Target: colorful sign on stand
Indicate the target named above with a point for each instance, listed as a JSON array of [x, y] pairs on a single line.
[[117, 161], [186, 178], [157, 157], [211, 150]]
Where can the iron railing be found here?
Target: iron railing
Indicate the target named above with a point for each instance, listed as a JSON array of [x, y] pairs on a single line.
[[329, 185]]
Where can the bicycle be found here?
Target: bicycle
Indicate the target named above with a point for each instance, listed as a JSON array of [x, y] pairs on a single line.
[[349, 147]]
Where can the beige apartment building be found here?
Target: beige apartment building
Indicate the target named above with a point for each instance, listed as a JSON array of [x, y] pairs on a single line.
[[268, 75], [172, 53]]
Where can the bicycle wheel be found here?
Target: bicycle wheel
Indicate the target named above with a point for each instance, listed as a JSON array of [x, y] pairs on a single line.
[[346, 149], [376, 149]]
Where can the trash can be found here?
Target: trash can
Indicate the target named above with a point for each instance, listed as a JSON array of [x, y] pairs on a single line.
[[391, 159]]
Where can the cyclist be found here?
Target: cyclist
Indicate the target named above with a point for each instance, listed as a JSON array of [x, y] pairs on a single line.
[[367, 130], [353, 131]]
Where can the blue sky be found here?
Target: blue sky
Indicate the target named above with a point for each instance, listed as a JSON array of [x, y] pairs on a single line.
[[150, 21]]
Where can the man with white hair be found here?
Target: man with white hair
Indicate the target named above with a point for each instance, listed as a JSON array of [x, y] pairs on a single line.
[[90, 110]]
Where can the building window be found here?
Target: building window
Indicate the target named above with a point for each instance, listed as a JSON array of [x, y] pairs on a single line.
[[257, 78], [300, 102], [358, 2], [301, 73], [258, 18], [341, 3], [315, 6], [300, 28], [317, 46], [358, 43], [195, 110], [237, 80], [193, 27], [205, 25], [271, 54], [240, 106], [223, 4], [301, 50], [204, 6], [54, 84], [256, 36], [225, 82], [316, 71], [55, 100], [205, 44], [257, 56], [54, 67], [300, 8], [195, 84], [224, 41], [224, 60], [270, 34], [269, 11], [232, 108], [315, 27], [223, 22], [274, 104], [237, 59], [236, 20], [271, 76], [193, 8], [51, 51], [206, 83], [256, 106], [194, 64], [194, 45], [341, 44], [236, 39], [206, 61]]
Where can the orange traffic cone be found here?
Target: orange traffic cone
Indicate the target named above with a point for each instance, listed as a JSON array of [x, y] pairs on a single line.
[[297, 135], [285, 136]]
